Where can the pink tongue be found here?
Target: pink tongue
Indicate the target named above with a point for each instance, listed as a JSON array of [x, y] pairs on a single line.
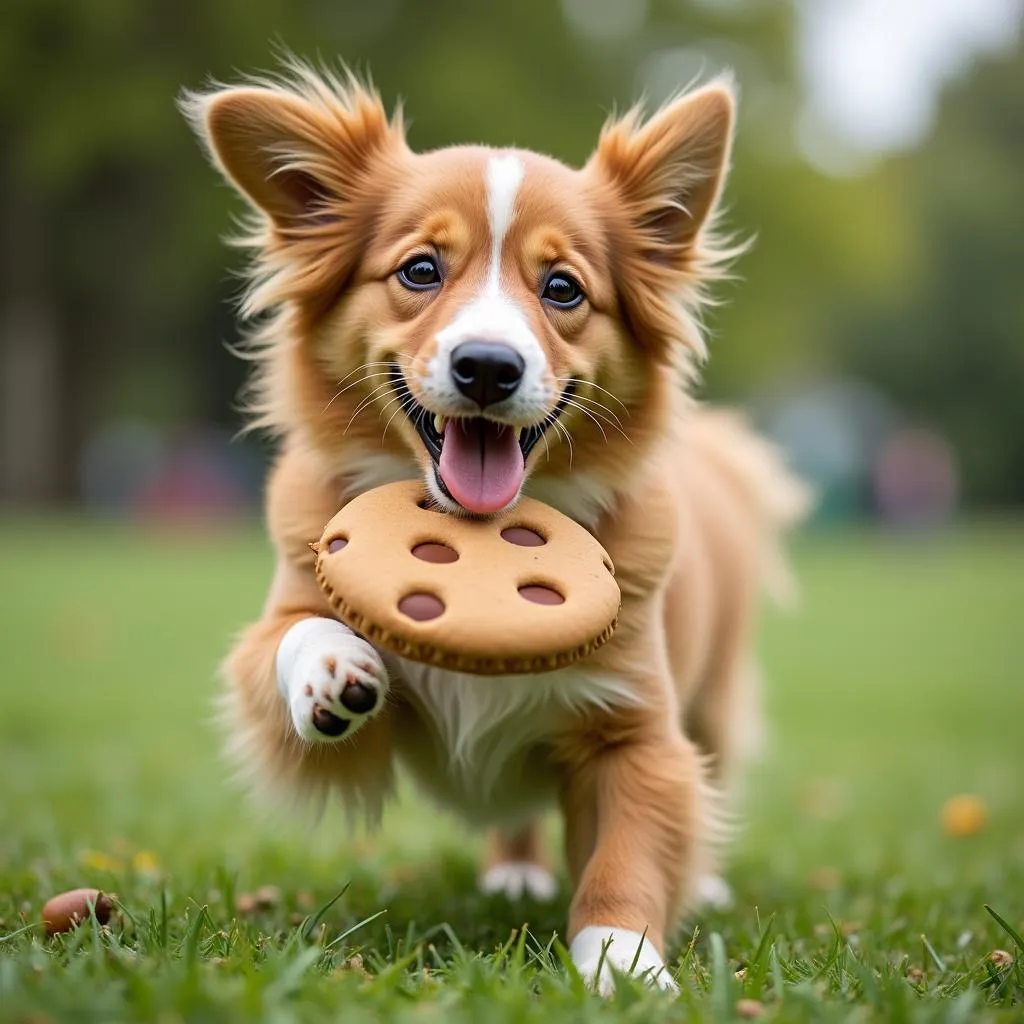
[[481, 464]]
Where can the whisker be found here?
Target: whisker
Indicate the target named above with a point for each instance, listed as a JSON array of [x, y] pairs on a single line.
[[547, 447], [404, 407], [386, 363], [363, 366], [563, 430], [367, 401], [596, 387], [361, 380], [594, 415], [366, 376], [387, 406], [586, 412], [600, 406]]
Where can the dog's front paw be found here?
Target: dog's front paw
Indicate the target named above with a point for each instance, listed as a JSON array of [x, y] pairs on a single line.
[[600, 953], [333, 681]]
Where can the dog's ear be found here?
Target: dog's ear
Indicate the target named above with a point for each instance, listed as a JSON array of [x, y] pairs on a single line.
[[666, 175], [313, 154], [296, 149]]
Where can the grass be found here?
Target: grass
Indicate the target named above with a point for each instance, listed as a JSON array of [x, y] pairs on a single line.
[[897, 686]]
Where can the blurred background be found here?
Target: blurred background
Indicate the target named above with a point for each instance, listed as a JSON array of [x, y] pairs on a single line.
[[878, 329], [877, 332]]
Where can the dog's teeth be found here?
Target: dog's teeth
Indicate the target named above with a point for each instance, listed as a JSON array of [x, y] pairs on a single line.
[[439, 422], [522, 433]]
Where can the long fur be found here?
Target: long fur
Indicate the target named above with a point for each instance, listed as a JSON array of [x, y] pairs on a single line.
[[639, 745]]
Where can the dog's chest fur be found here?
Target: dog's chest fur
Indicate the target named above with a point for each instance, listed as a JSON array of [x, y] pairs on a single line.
[[477, 743]]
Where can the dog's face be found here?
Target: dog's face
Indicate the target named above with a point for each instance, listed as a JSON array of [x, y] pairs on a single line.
[[494, 313]]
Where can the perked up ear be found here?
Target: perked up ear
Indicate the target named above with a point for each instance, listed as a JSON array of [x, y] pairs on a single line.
[[270, 148], [666, 175], [307, 151]]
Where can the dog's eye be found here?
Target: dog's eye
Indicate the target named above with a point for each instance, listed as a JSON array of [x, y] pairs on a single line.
[[419, 273], [562, 291]]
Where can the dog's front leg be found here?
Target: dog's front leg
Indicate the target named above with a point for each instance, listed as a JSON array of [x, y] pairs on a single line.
[[306, 708], [330, 681], [634, 820], [307, 698]]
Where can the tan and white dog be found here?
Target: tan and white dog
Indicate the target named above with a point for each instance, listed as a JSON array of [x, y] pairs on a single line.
[[498, 323]]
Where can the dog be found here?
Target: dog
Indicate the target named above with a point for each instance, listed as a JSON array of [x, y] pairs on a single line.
[[498, 324]]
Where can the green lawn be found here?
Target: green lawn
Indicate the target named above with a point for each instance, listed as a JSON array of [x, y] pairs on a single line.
[[898, 685]]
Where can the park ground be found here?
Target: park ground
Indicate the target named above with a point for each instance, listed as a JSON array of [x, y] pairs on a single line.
[[898, 685]]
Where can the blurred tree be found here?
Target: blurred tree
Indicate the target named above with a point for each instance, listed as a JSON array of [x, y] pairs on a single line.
[[114, 301], [950, 348]]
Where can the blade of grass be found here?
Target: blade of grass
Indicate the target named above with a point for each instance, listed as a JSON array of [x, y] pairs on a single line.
[[639, 950], [190, 947], [721, 1003], [288, 980], [350, 931], [1005, 925], [778, 981], [21, 931], [576, 980], [164, 926], [307, 926], [935, 958], [757, 968]]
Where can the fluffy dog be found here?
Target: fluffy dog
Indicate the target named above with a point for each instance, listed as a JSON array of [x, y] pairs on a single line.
[[498, 323]]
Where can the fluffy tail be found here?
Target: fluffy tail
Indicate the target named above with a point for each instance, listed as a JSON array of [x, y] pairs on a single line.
[[778, 498]]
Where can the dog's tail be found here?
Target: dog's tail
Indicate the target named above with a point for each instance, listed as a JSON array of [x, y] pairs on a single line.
[[777, 496]]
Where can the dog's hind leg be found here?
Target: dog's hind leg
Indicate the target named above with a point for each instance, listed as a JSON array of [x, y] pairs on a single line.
[[516, 864], [724, 720]]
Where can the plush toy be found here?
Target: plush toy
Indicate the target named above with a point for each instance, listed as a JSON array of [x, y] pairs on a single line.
[[528, 590]]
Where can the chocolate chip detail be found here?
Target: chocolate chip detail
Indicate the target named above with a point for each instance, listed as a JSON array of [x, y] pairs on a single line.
[[421, 607], [439, 554], [541, 595], [523, 537]]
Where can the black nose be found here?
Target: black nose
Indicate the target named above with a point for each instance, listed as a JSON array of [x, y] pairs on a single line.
[[486, 372]]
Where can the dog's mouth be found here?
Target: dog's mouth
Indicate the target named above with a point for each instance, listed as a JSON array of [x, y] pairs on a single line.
[[478, 462]]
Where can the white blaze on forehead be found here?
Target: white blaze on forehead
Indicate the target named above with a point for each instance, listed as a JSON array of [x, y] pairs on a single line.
[[493, 315], [504, 176]]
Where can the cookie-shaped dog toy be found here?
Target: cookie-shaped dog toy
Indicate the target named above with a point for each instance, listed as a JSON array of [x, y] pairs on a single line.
[[528, 590]]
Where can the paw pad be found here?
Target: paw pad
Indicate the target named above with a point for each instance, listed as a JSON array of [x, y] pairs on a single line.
[[327, 723], [358, 698]]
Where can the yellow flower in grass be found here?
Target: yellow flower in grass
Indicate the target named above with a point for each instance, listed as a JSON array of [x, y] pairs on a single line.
[[964, 815], [145, 863], [96, 860]]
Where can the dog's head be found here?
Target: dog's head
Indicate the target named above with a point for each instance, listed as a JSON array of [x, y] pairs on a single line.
[[494, 313]]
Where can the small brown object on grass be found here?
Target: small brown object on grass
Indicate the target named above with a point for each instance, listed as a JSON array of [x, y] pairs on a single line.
[[67, 910], [749, 1009]]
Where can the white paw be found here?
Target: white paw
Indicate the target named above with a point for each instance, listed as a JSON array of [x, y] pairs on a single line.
[[333, 681], [713, 891], [599, 952], [516, 878]]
